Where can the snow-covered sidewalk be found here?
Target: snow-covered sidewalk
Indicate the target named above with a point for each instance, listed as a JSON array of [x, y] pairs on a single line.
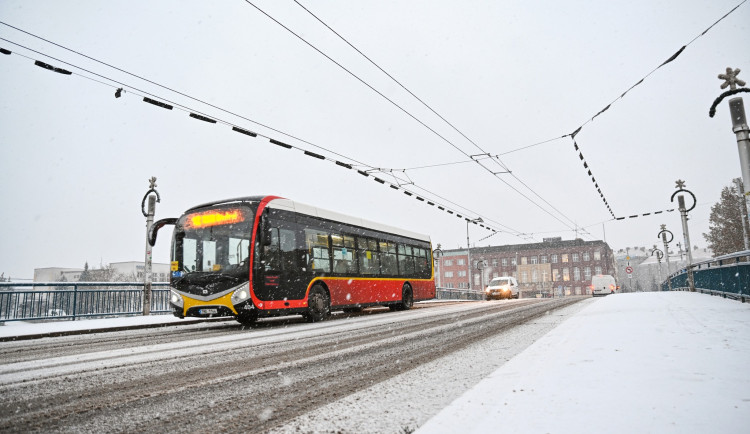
[[26, 329], [646, 362]]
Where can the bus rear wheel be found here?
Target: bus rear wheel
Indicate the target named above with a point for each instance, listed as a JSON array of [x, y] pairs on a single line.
[[407, 299], [318, 304]]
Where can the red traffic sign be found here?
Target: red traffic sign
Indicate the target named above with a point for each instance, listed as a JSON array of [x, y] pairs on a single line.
[[628, 270]]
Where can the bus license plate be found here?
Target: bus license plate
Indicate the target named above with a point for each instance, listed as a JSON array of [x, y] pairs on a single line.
[[209, 311]]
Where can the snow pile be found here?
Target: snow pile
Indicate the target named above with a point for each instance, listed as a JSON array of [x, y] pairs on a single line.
[[644, 362]]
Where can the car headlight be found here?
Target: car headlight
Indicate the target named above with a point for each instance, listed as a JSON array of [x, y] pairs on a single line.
[[175, 299], [241, 294]]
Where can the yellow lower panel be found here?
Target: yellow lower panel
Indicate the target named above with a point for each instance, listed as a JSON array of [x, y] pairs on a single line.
[[224, 301]]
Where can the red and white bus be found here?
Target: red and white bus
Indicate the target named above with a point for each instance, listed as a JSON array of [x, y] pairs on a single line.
[[267, 256]]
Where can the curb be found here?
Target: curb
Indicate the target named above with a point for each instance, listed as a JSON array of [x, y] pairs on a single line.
[[110, 329]]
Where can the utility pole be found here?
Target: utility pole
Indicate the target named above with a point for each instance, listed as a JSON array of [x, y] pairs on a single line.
[[743, 214], [659, 255], [147, 274], [663, 234], [686, 235], [468, 246], [437, 254], [739, 123]]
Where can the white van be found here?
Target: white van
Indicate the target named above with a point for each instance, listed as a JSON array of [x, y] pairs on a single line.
[[502, 287], [603, 284]]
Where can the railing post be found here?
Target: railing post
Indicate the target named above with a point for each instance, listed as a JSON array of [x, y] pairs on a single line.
[[75, 301]]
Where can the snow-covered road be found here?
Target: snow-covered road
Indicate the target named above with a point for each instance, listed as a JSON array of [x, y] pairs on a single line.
[[645, 362], [223, 376]]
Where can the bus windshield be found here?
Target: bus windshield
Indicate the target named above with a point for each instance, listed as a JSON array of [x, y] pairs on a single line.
[[213, 242]]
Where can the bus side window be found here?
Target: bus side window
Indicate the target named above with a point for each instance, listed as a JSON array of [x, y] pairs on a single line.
[[271, 252], [288, 242], [317, 245]]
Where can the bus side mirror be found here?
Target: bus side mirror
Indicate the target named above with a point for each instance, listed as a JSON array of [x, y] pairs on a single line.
[[155, 229]]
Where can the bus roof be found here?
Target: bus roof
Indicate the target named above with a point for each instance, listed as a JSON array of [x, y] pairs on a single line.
[[290, 205]]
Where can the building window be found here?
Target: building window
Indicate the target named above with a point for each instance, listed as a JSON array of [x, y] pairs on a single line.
[[566, 274], [576, 274], [533, 260], [494, 262], [523, 276], [564, 257], [505, 262], [586, 256], [523, 260], [575, 257], [555, 275], [598, 270], [494, 275], [543, 259], [462, 273], [587, 273], [554, 259], [534, 275], [461, 262], [476, 280], [448, 274], [448, 263], [597, 255], [513, 262]]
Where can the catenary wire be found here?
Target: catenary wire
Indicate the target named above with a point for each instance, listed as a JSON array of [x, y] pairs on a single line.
[[508, 230], [494, 174]]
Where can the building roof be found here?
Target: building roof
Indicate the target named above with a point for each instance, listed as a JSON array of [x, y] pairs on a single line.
[[550, 244]]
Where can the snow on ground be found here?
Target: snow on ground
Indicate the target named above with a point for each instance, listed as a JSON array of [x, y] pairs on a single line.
[[26, 328], [645, 362], [408, 400]]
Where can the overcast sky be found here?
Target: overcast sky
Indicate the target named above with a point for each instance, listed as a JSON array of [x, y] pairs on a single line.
[[76, 160]]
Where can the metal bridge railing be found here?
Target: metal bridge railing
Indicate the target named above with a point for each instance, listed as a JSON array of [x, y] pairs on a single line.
[[727, 276], [72, 300], [458, 294]]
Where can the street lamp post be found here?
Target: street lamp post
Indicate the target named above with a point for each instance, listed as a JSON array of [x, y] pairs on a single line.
[[480, 266], [468, 246], [663, 234], [686, 235], [659, 255], [436, 255], [739, 122], [147, 275]]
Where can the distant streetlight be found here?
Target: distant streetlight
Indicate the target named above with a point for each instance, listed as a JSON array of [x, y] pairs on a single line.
[[436, 255], [663, 234], [468, 246], [659, 255]]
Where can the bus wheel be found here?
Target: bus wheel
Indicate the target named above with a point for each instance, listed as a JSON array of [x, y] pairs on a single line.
[[407, 298], [318, 304], [247, 319]]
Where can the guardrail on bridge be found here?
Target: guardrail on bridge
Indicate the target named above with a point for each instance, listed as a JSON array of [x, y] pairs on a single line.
[[727, 276], [71, 300]]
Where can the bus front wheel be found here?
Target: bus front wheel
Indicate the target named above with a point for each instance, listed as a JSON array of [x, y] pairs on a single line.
[[318, 304], [247, 318]]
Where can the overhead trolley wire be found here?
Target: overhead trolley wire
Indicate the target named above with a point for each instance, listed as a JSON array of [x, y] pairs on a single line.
[[207, 118], [164, 87], [496, 160]]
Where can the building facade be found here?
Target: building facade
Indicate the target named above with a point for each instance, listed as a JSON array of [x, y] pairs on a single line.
[[554, 266], [130, 271]]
